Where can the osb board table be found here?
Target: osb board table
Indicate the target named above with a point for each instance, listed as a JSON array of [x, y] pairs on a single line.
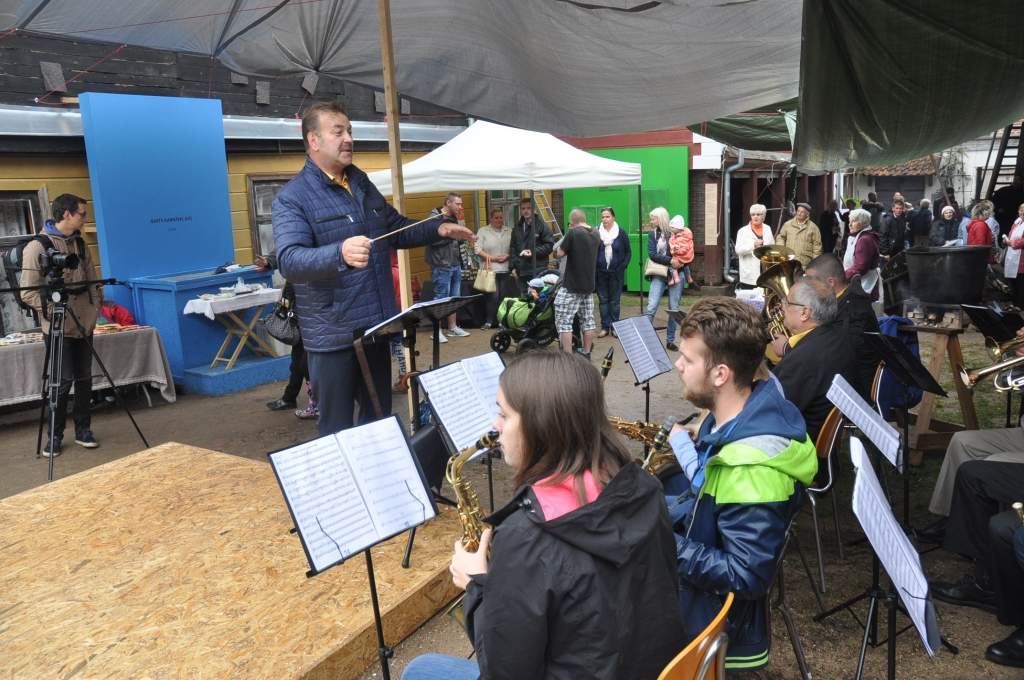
[[176, 562]]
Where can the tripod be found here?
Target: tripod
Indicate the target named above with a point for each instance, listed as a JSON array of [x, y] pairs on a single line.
[[56, 291]]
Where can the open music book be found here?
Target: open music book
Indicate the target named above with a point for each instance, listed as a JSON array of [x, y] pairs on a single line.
[[464, 396], [882, 434], [351, 490]]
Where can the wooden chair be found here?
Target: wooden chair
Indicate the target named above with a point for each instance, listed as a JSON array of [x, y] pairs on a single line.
[[705, 656], [827, 445]]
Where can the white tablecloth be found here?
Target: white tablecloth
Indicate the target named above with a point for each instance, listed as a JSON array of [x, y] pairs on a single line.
[[211, 308]]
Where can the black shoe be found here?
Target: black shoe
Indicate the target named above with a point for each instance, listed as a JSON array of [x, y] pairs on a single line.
[[281, 405], [85, 439], [1008, 652], [56, 449], [966, 592], [672, 346], [934, 533]]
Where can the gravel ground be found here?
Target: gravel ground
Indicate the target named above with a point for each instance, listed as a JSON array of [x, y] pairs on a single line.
[[239, 424]]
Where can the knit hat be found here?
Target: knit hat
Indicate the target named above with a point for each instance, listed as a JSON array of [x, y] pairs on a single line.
[[677, 223]]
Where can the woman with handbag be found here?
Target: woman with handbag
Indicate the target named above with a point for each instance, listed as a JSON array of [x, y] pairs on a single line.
[[754, 235], [492, 245], [612, 259], [659, 271]]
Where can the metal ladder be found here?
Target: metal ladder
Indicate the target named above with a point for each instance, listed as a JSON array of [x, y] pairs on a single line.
[[546, 213], [1008, 158]]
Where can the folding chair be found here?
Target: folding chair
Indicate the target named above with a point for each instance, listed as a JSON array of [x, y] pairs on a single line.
[[705, 654], [828, 444]]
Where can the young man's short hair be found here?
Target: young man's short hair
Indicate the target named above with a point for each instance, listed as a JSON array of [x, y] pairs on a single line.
[[733, 332], [66, 203]]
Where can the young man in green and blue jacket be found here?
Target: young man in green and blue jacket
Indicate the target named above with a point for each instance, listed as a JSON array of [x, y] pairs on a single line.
[[742, 480]]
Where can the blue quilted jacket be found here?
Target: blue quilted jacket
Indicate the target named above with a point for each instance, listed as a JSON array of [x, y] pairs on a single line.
[[312, 216]]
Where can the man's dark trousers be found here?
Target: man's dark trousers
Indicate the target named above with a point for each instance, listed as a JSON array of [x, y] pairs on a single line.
[[1007, 574], [338, 385], [298, 371], [75, 369]]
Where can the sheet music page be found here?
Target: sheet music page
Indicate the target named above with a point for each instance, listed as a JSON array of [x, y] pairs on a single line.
[[641, 344], [897, 554], [457, 404], [325, 501], [387, 477], [484, 372], [881, 433]]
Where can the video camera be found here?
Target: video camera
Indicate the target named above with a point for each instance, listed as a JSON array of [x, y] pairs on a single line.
[[52, 262]]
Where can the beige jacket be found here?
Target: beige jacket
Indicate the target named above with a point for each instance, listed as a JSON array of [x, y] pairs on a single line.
[[85, 304], [804, 240]]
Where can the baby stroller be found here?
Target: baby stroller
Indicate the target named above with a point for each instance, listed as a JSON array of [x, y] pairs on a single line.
[[529, 322]]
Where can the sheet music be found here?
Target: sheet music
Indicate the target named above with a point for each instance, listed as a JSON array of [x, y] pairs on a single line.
[[388, 479], [325, 502], [881, 433], [643, 349], [463, 396], [897, 554], [351, 490]]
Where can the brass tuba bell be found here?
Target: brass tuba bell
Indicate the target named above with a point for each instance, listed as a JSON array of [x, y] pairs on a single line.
[[776, 281]]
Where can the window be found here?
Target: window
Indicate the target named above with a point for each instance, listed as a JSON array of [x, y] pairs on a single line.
[[508, 201], [263, 189], [21, 214]]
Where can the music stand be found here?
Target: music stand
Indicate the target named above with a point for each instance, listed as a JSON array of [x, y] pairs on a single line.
[[405, 323], [645, 354], [909, 371]]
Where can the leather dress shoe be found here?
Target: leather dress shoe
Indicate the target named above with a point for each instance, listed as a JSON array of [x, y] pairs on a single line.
[[966, 592], [1008, 652], [281, 405]]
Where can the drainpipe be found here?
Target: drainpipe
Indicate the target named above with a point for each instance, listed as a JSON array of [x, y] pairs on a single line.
[[727, 213]]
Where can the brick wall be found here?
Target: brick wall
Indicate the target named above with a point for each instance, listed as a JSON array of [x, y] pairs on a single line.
[[707, 266]]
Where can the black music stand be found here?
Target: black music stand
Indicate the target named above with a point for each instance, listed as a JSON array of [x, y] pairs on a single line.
[[909, 371], [405, 323], [645, 354]]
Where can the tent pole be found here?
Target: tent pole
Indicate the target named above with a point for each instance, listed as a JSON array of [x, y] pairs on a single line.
[[391, 110]]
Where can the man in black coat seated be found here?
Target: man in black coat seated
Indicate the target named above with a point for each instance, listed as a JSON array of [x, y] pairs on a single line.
[[817, 349], [855, 315]]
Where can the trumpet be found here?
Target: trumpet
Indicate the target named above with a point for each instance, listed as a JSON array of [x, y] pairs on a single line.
[[998, 349], [970, 378]]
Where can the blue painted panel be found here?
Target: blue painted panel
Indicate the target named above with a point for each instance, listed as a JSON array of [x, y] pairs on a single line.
[[159, 179]]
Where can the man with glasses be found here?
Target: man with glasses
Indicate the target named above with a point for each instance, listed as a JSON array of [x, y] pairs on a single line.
[[815, 351], [64, 234]]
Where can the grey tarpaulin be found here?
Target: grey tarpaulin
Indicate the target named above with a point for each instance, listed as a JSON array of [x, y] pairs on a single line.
[[883, 81], [762, 130], [573, 68]]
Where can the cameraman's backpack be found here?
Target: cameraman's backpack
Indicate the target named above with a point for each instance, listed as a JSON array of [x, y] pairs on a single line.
[[13, 263]]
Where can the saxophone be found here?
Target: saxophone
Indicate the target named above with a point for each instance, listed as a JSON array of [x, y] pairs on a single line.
[[659, 456], [467, 502]]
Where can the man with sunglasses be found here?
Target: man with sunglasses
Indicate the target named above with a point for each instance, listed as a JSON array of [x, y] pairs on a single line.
[[64, 234], [816, 350]]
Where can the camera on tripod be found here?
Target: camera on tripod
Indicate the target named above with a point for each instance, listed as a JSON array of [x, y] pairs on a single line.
[[52, 262]]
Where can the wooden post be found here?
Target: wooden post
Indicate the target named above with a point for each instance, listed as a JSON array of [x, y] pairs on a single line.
[[392, 111]]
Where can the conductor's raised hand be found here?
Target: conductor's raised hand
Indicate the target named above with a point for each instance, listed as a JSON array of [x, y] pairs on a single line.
[[355, 251], [455, 231], [466, 564]]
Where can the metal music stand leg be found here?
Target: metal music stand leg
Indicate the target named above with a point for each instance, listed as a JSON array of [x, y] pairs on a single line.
[[408, 548], [383, 651]]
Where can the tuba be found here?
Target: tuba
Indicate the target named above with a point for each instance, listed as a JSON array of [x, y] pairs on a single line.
[[777, 279]]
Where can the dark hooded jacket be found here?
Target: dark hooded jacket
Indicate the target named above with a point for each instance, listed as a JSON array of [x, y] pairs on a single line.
[[589, 594], [730, 530], [944, 230], [857, 317]]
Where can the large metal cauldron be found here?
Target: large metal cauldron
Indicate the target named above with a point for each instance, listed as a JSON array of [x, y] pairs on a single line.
[[947, 276]]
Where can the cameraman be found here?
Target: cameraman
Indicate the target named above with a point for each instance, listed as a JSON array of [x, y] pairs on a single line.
[[63, 234]]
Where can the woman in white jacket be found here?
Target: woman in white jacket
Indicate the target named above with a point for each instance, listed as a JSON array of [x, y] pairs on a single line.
[[754, 235]]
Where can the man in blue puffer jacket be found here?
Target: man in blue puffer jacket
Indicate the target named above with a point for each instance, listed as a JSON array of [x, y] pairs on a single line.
[[742, 482], [324, 220]]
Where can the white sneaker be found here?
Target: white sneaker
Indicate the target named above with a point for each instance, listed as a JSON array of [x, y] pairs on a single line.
[[440, 337], [458, 332]]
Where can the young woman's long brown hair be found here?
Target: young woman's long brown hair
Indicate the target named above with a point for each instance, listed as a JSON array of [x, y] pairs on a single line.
[[565, 432]]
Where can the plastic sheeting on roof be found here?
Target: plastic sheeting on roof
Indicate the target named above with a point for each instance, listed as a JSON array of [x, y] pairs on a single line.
[[582, 69], [490, 156]]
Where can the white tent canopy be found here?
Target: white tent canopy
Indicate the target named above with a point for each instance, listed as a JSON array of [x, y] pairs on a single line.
[[490, 156]]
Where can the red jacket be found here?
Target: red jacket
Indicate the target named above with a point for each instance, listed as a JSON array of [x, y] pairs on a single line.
[[978, 234]]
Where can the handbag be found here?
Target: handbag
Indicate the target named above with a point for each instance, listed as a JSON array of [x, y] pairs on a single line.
[[281, 323], [655, 269], [486, 281]]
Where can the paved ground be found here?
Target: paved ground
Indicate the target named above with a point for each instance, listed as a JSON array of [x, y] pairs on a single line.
[[239, 424]]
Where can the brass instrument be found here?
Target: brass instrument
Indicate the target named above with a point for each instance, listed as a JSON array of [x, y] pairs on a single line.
[[777, 280], [468, 505], [1019, 508], [774, 254], [467, 502], [659, 455], [970, 378], [998, 349]]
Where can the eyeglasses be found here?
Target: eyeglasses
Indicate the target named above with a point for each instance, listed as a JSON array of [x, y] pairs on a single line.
[[790, 303]]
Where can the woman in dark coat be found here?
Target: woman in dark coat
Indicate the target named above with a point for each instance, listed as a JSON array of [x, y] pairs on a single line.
[[612, 259], [581, 581]]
